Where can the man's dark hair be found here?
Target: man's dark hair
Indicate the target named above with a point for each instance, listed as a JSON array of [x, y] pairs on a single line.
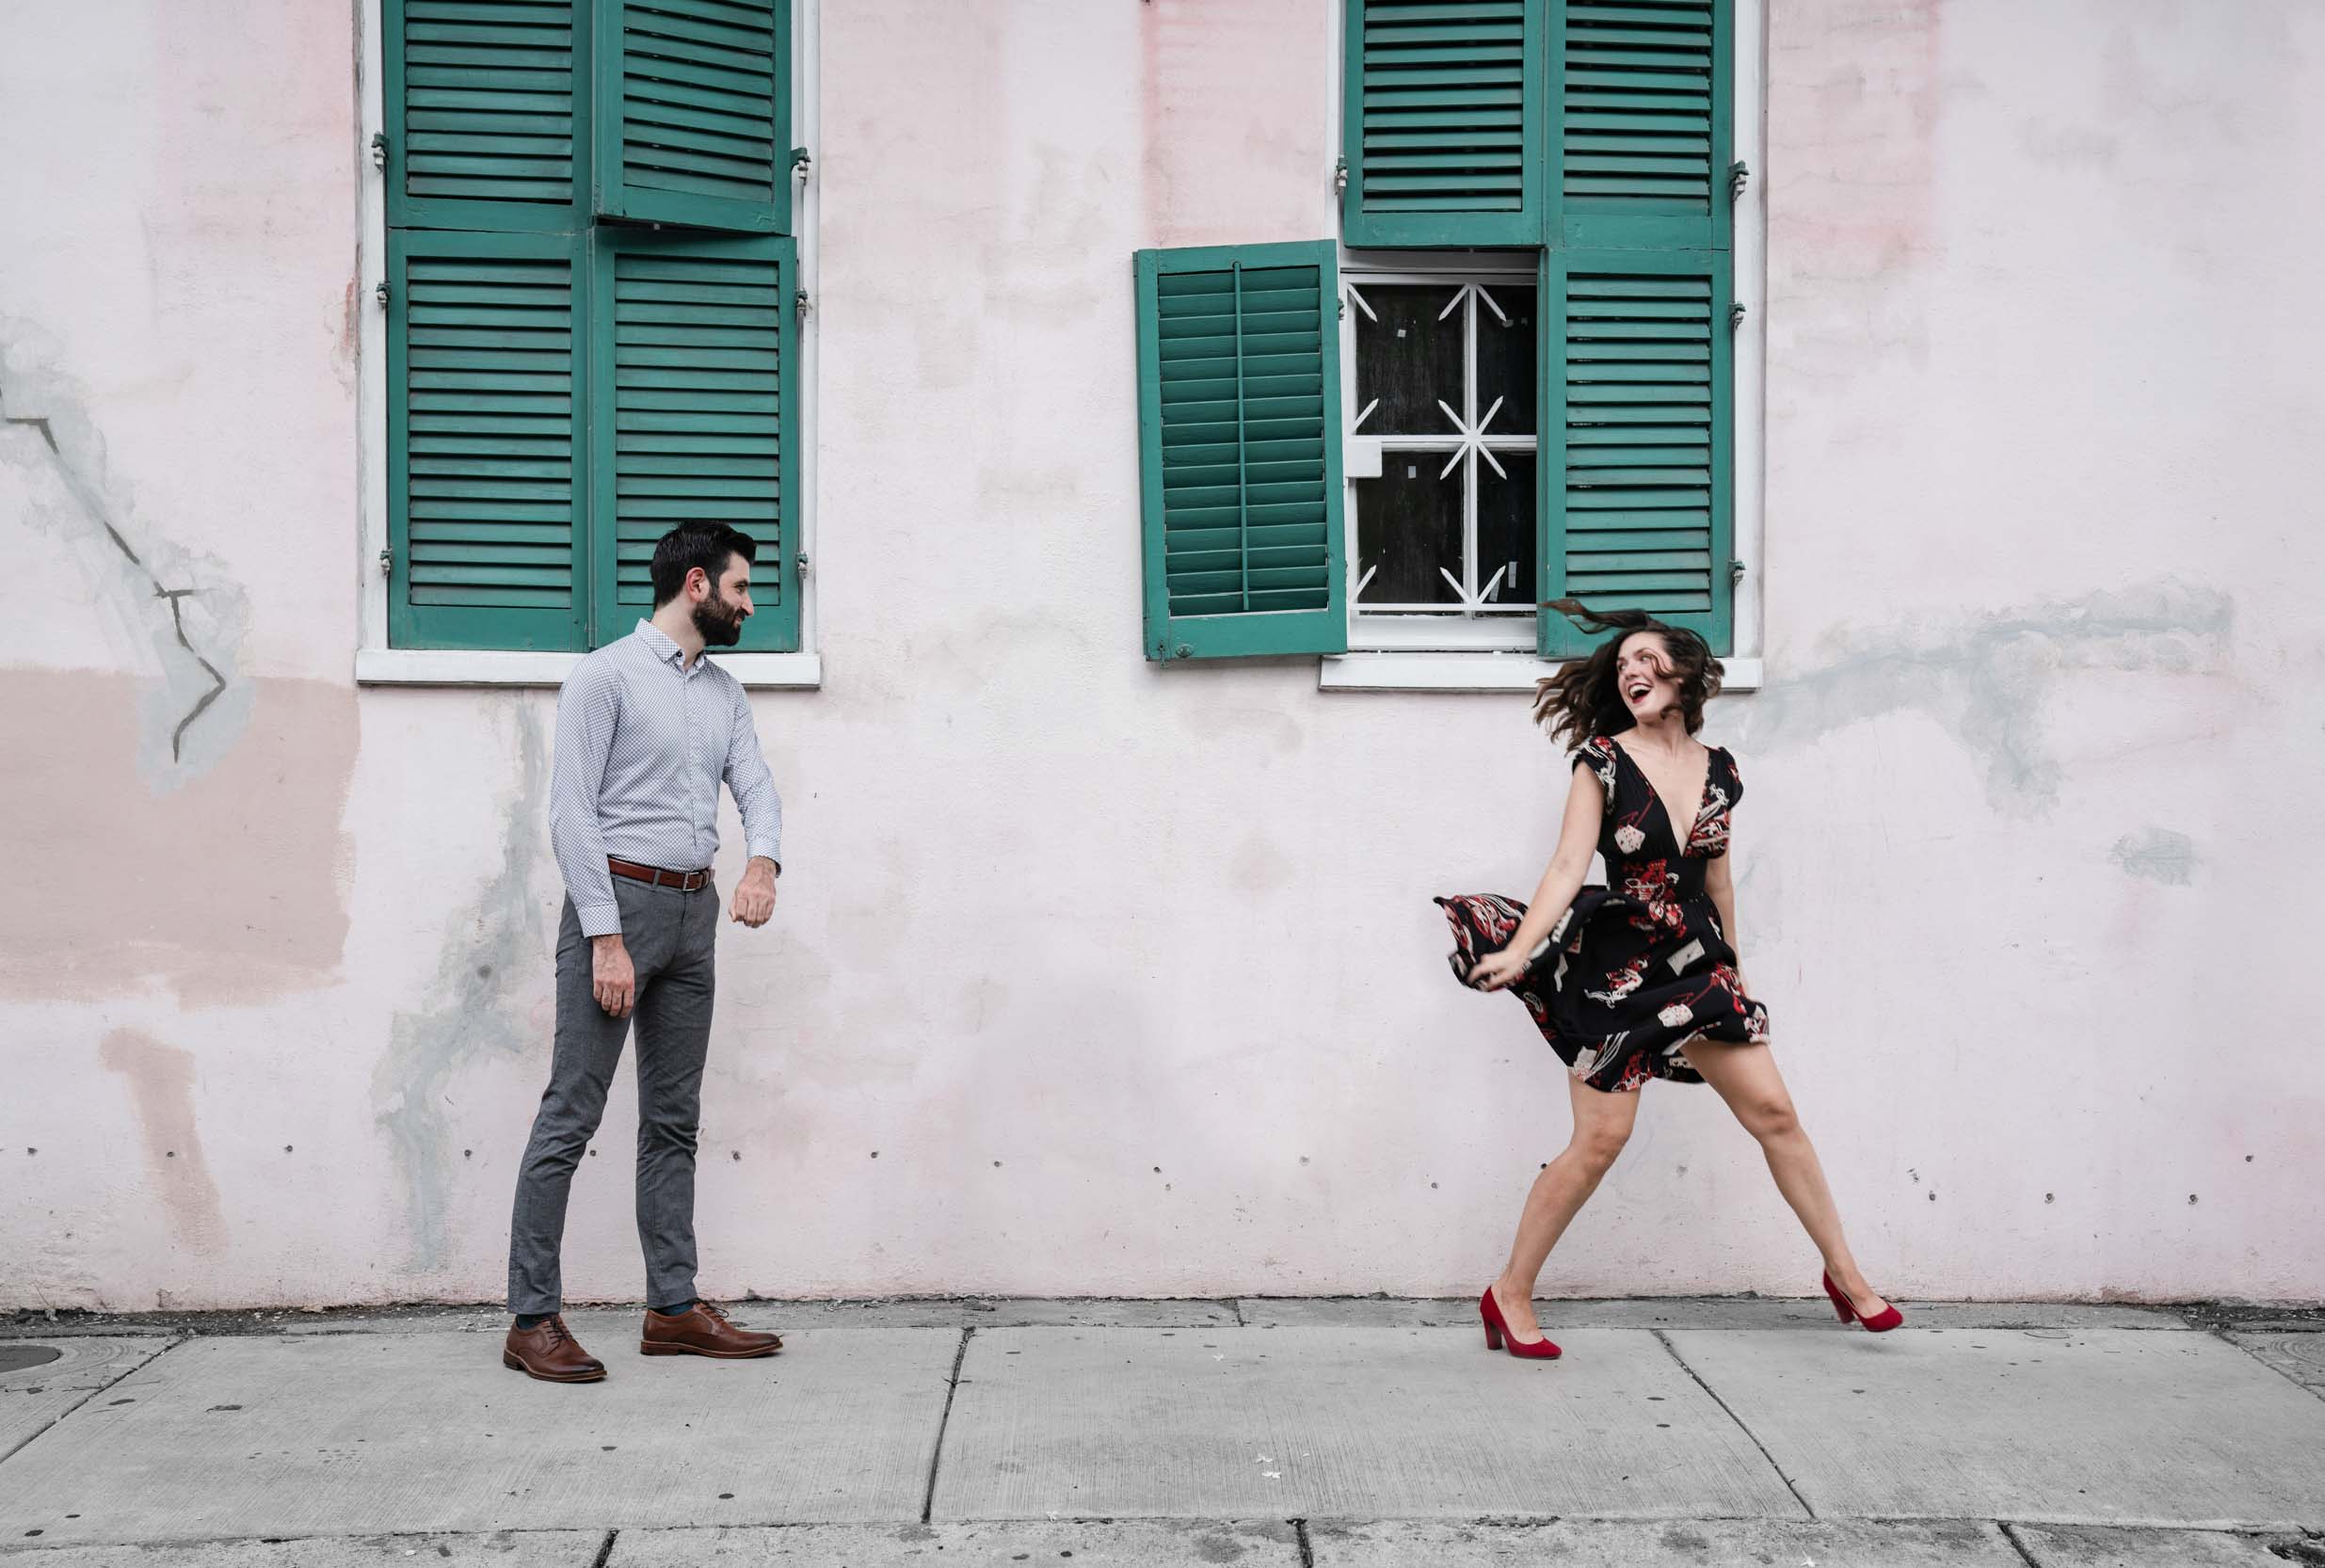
[[697, 544]]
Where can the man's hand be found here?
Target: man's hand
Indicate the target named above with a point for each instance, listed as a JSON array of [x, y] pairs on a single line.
[[754, 896], [612, 979]]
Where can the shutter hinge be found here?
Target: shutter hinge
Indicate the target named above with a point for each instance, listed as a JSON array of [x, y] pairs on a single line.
[[806, 566], [387, 562], [380, 149], [802, 164], [380, 294], [1340, 177], [1735, 572], [1737, 174], [1735, 315], [802, 304]]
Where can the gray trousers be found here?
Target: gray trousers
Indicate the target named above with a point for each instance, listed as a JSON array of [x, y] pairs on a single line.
[[672, 940]]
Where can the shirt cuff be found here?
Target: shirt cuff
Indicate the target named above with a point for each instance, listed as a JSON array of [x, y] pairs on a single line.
[[768, 851], [599, 919]]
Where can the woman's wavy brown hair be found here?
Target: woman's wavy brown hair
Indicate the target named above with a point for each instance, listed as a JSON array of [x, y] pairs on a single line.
[[1582, 698]]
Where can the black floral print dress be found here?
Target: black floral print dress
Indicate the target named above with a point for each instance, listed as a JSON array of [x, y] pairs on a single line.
[[1635, 973]]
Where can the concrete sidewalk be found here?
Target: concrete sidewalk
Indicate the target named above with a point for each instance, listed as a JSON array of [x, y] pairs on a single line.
[[1255, 1431]]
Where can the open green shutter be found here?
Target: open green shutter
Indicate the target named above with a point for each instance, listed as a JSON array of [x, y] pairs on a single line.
[[1446, 123], [693, 344], [1239, 426], [486, 391], [1640, 152], [1635, 509], [486, 112], [694, 112]]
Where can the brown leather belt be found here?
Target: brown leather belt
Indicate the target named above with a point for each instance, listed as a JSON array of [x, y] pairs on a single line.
[[686, 881]]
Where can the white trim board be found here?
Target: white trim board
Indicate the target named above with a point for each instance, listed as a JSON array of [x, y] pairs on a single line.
[[415, 667], [1497, 673]]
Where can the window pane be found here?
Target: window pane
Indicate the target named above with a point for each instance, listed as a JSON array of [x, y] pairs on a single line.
[[1407, 358], [1505, 360], [1505, 529], [1408, 525]]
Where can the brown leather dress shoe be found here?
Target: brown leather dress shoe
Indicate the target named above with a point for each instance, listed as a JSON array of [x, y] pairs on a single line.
[[547, 1351], [704, 1330]]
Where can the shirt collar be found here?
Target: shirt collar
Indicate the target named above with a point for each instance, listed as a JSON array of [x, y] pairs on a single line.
[[659, 641]]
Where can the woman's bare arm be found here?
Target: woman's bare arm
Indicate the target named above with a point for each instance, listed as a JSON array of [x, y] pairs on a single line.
[[1578, 840]]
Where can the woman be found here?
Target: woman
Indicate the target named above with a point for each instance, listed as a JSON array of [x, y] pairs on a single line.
[[1640, 981]]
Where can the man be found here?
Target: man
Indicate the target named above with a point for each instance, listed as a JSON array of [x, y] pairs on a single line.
[[645, 728]]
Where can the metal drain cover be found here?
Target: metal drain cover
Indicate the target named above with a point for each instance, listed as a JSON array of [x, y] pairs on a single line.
[[18, 1358]]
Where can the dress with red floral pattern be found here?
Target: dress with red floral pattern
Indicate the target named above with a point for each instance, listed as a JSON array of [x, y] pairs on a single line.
[[1634, 974]]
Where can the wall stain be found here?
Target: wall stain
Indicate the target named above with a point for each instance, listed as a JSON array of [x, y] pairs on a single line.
[[488, 958], [161, 1087], [2159, 855], [1985, 680], [51, 412]]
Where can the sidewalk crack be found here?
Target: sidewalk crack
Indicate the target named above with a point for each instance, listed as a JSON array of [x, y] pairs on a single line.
[[2017, 1545], [935, 1455], [1665, 1340], [1307, 1547], [605, 1549], [57, 1419]]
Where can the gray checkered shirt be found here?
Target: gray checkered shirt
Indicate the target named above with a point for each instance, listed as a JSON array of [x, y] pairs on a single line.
[[642, 742]]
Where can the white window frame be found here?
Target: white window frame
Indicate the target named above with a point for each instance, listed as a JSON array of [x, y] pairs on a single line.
[[379, 665], [1452, 628], [1369, 667]]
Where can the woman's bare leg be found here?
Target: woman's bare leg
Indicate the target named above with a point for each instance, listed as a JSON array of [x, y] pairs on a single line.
[[1602, 1124], [1746, 1078]]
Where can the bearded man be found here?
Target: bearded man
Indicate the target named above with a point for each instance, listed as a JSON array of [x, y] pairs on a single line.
[[647, 728]]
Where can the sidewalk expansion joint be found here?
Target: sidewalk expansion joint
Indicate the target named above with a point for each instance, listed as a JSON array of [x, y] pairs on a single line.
[[1664, 1339], [54, 1420], [936, 1454]]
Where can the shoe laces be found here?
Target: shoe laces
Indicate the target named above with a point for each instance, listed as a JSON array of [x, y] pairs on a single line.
[[706, 1306], [555, 1325]]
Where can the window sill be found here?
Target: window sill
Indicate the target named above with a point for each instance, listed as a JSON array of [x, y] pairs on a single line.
[[1470, 672], [414, 666]]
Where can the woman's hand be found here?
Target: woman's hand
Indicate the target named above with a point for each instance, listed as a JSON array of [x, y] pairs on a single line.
[[1497, 970]]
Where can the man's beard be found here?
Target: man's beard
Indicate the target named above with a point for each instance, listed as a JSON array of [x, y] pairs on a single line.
[[720, 623]]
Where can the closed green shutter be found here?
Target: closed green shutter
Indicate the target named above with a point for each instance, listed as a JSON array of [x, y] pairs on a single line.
[[1635, 507], [485, 393], [1640, 154], [694, 362], [487, 114], [1446, 119], [1238, 423], [694, 112]]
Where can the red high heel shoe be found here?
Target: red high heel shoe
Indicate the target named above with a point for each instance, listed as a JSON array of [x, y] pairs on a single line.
[[1496, 1332], [1879, 1323]]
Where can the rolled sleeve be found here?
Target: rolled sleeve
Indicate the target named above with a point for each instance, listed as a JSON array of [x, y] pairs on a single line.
[[753, 786], [588, 709]]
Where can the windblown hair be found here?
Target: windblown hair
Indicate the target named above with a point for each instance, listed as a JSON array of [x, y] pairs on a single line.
[[1584, 699]]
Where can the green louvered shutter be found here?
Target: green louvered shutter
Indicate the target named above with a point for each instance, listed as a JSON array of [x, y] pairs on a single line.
[[694, 112], [1447, 119], [1239, 424], [487, 114], [694, 362], [1640, 156], [1635, 505], [486, 495]]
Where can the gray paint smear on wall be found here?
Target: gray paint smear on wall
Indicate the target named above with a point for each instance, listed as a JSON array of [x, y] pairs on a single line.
[[179, 606], [1986, 678], [2158, 855], [491, 951]]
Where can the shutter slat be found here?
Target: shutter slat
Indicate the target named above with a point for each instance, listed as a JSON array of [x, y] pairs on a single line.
[[1239, 409], [1634, 481], [485, 487], [481, 102], [693, 353], [1444, 124], [695, 114]]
